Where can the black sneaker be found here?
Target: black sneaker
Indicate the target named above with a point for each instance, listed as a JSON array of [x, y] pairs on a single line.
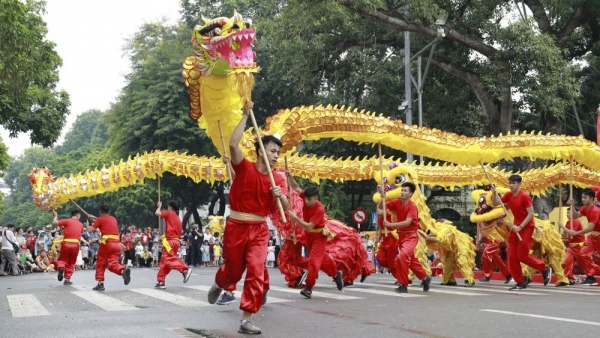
[[61, 272], [571, 282], [249, 328], [426, 283], [301, 279], [265, 294], [547, 274], [484, 279], [348, 284], [67, 282], [507, 279], [527, 280], [363, 277], [306, 292], [401, 289], [186, 274], [99, 287], [160, 285], [339, 280], [126, 276], [214, 293], [561, 284], [589, 280], [449, 283], [519, 287]]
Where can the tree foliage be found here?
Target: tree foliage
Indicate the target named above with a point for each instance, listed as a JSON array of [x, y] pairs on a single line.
[[29, 100]]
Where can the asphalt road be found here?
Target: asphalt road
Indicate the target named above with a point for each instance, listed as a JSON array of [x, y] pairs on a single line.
[[37, 305]]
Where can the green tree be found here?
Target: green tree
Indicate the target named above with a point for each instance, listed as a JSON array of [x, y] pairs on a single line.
[[29, 100]]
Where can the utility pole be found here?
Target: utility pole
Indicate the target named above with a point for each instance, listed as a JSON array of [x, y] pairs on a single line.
[[407, 78]]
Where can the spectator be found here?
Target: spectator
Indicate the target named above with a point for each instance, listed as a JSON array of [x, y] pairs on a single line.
[[146, 258], [217, 251], [183, 248], [9, 258], [156, 252], [205, 253], [196, 238], [30, 241], [138, 253], [43, 262], [270, 255], [145, 237], [94, 246], [85, 255]]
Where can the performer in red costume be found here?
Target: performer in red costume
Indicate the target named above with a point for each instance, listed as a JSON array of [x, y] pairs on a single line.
[[520, 204], [407, 224], [69, 247], [592, 242], [313, 221], [388, 248], [170, 241], [251, 199], [490, 257], [110, 247], [574, 250]]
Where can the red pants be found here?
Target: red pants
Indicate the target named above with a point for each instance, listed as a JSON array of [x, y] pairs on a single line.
[[406, 258], [591, 244], [108, 255], [573, 253], [245, 248], [68, 258], [317, 259], [170, 261], [387, 252], [518, 252], [491, 257]]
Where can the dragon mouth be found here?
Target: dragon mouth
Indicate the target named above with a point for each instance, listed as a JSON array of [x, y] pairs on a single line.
[[236, 48]]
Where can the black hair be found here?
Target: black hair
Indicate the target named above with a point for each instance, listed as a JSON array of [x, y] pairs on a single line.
[[311, 191], [104, 208], [174, 205], [10, 226], [589, 193], [75, 212], [266, 140], [515, 178], [411, 186]]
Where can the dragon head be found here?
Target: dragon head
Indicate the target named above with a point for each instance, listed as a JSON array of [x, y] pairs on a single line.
[[487, 216], [224, 45], [38, 178], [392, 181]]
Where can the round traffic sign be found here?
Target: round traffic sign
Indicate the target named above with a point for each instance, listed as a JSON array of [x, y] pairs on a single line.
[[359, 216]]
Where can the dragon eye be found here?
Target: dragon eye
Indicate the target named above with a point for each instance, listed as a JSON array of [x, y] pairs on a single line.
[[481, 199], [400, 179]]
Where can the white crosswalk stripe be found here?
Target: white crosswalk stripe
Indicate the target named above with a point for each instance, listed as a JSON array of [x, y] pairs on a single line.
[[26, 306], [433, 290], [316, 293], [103, 301], [170, 297], [270, 300]]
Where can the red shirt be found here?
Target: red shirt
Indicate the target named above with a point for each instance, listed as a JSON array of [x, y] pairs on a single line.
[[592, 214], [73, 228], [388, 218], [314, 214], [145, 237], [107, 225], [576, 226], [251, 190], [518, 205], [172, 224], [405, 211]]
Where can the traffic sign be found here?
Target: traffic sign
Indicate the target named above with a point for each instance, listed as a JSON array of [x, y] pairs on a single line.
[[359, 216]]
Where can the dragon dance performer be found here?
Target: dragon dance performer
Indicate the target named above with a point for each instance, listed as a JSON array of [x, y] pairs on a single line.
[[407, 224], [592, 242], [69, 248], [490, 257], [251, 200], [110, 247], [521, 205], [170, 241], [313, 220], [575, 243]]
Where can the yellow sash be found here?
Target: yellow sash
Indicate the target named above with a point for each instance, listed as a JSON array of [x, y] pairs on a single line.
[[325, 231], [165, 242], [244, 216], [595, 233], [576, 244], [107, 237], [71, 240]]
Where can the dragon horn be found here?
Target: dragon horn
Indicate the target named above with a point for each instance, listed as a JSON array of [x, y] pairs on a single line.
[[205, 20]]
